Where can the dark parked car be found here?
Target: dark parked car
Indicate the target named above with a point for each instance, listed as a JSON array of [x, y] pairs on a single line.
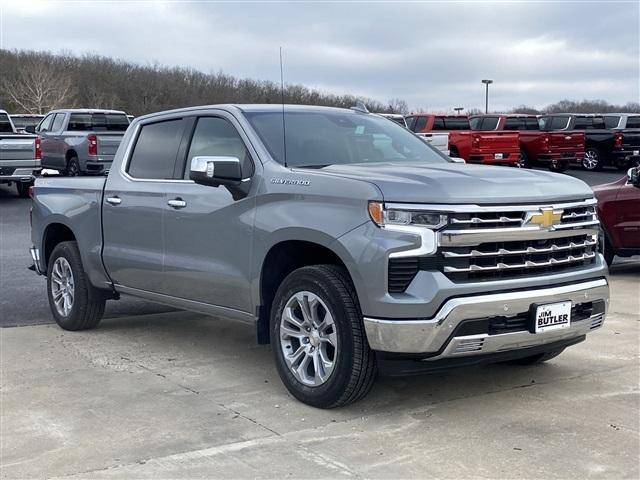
[[619, 212]]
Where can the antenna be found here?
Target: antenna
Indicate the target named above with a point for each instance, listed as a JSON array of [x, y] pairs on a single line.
[[284, 130]]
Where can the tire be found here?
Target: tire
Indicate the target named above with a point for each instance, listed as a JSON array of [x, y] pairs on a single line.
[[351, 368], [558, 167], [453, 152], [536, 359], [23, 189], [73, 167], [592, 160], [524, 161], [85, 303]]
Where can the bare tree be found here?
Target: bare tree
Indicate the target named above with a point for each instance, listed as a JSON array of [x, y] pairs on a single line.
[[37, 88], [397, 105]]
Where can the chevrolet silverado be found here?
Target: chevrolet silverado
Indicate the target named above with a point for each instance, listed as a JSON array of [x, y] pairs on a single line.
[[347, 242]]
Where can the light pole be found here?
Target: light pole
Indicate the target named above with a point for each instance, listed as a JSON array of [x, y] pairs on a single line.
[[458, 110], [486, 98]]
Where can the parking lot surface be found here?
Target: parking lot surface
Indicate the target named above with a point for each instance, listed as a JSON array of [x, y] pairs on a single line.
[[154, 393]]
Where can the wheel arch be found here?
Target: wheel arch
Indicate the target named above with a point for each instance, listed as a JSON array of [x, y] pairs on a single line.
[[280, 260], [54, 234]]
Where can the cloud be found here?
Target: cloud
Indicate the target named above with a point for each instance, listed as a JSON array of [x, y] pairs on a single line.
[[431, 54]]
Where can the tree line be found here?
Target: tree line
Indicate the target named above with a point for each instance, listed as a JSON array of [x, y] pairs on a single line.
[[36, 82]]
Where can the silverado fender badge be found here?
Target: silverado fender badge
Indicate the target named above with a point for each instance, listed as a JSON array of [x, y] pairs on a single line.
[[287, 181]]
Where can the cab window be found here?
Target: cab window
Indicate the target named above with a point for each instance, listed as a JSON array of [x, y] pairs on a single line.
[[217, 137], [45, 125]]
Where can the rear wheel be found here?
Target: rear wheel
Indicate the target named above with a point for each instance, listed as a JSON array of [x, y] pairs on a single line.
[[524, 161], [558, 166], [74, 302], [453, 152], [73, 167], [535, 359], [23, 189], [592, 159], [318, 339]]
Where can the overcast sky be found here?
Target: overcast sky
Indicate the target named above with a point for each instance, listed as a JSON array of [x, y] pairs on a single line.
[[431, 54]]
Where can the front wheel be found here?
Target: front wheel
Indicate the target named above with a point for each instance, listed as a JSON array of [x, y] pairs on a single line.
[[74, 302], [318, 339], [592, 159]]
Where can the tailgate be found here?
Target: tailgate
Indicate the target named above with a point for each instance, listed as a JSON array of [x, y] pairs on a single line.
[[437, 140], [18, 150], [631, 140], [108, 143], [569, 142], [497, 142]]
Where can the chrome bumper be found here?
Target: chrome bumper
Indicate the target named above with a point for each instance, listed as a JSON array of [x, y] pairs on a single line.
[[434, 335]]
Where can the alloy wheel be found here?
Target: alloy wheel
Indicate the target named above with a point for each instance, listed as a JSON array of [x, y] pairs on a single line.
[[62, 286], [590, 160], [308, 338]]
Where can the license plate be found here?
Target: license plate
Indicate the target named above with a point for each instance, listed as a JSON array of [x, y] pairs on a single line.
[[552, 316], [636, 152], [497, 156]]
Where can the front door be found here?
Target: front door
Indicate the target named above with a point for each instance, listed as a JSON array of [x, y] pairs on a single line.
[[628, 222], [208, 231], [135, 203]]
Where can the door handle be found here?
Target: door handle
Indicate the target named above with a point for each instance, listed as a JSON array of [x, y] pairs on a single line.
[[115, 200], [177, 203]]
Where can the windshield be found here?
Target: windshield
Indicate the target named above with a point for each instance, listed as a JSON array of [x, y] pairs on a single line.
[[98, 122], [317, 139], [22, 122]]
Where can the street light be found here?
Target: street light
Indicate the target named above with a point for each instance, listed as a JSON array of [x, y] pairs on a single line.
[[458, 110], [486, 98]]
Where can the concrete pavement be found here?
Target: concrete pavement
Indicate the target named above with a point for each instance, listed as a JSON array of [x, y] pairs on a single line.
[[181, 395]]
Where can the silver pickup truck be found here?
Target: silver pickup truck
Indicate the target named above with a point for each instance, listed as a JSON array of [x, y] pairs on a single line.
[[80, 141], [19, 156], [351, 245]]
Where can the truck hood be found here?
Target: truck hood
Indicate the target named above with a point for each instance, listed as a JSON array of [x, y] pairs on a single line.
[[454, 183]]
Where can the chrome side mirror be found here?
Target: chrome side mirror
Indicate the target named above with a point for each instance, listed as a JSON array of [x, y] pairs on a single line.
[[215, 171], [633, 175]]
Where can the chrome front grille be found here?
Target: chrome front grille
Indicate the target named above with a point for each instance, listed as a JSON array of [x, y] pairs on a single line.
[[488, 243]]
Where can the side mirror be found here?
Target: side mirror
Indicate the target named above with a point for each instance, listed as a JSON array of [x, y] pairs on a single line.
[[30, 129], [457, 160], [216, 171], [633, 175]]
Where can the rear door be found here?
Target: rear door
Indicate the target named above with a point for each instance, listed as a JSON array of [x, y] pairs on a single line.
[[208, 230], [47, 143], [56, 142], [134, 205]]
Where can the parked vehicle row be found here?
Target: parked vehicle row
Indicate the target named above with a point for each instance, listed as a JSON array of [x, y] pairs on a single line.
[[349, 244], [20, 156]]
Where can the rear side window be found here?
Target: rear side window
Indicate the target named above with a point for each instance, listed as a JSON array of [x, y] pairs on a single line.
[[421, 122], [45, 125], [633, 122], [438, 123], [98, 122], [217, 137], [589, 123], [57, 122], [611, 121], [156, 149], [5, 124], [411, 121]]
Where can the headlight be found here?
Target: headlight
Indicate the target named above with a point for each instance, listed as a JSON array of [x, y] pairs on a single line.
[[382, 216]]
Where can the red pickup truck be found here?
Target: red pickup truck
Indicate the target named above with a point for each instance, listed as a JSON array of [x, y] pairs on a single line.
[[554, 149], [619, 212], [495, 148]]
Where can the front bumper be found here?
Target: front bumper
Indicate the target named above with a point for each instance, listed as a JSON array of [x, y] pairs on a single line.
[[436, 338]]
